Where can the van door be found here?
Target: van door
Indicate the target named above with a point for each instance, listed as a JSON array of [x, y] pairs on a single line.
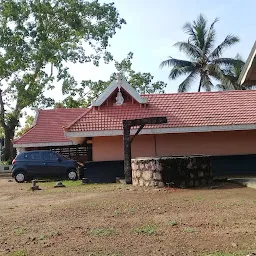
[[53, 166], [35, 165]]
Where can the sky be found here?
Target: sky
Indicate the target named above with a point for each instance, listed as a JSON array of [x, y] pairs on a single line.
[[153, 26]]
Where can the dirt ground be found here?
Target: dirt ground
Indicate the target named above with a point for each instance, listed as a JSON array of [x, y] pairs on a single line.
[[121, 220]]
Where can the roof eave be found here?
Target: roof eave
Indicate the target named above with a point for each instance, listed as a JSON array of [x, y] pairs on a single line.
[[190, 129], [43, 144]]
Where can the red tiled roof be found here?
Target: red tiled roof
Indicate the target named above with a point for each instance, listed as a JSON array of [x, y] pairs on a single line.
[[181, 110], [49, 126]]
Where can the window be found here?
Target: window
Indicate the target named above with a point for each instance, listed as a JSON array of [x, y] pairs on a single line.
[[32, 156], [26, 156], [50, 156]]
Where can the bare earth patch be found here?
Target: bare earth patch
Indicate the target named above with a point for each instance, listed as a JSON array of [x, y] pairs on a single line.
[[121, 220]]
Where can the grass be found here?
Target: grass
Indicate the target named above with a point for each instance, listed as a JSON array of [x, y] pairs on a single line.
[[172, 223], [76, 186], [19, 231], [42, 237], [19, 253], [132, 210], [199, 198], [116, 212], [103, 232], [190, 230], [67, 183], [147, 230]]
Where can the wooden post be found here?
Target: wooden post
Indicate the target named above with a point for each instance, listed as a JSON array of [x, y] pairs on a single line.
[[127, 154], [127, 124], [34, 186]]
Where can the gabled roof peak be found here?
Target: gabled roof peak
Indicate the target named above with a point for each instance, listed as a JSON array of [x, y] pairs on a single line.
[[119, 83], [248, 74]]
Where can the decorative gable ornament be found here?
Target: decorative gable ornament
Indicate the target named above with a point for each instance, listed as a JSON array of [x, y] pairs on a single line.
[[119, 97], [119, 83]]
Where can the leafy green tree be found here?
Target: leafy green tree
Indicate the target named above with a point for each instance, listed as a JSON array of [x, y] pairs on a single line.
[[28, 124], [90, 90], [37, 40], [205, 60]]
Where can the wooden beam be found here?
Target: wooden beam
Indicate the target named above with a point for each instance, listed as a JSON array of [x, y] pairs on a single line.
[[149, 120], [140, 128]]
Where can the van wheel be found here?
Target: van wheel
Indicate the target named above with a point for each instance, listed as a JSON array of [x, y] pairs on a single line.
[[72, 174], [20, 177]]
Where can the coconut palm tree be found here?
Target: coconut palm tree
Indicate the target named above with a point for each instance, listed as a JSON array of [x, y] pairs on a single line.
[[204, 59], [231, 74]]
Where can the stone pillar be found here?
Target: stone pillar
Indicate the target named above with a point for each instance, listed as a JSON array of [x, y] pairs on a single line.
[[147, 172]]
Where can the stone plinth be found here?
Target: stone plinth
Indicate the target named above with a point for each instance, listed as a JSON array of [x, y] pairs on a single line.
[[187, 171], [147, 172]]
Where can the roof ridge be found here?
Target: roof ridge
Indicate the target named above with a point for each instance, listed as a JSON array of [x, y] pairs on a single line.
[[212, 92], [77, 119], [62, 109], [30, 129]]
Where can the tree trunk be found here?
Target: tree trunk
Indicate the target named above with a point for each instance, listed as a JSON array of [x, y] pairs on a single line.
[[9, 129], [8, 152], [200, 84]]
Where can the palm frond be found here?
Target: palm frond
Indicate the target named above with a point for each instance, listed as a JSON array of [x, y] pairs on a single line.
[[210, 40], [190, 49], [188, 29], [201, 30], [238, 57], [176, 62], [229, 41], [180, 67], [226, 86], [227, 77], [215, 71], [185, 85], [228, 62], [206, 83], [180, 71]]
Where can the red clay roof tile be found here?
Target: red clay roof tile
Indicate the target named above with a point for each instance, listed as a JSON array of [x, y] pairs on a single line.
[[49, 126], [181, 110]]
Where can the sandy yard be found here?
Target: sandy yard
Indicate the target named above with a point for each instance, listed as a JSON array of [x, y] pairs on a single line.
[[121, 220]]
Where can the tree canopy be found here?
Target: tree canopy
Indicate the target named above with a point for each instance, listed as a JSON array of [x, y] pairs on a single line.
[[28, 124], [90, 90], [205, 59], [37, 39]]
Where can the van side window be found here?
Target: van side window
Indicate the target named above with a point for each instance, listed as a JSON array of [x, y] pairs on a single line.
[[34, 156], [50, 156], [26, 156]]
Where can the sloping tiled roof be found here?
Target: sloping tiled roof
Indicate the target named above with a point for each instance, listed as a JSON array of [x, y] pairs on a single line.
[[181, 109], [49, 126]]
